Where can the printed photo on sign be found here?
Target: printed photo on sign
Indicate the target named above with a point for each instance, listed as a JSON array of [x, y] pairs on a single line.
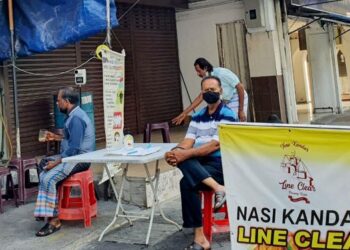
[[117, 137], [117, 120]]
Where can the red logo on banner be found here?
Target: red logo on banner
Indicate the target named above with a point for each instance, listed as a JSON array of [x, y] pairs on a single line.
[[298, 182]]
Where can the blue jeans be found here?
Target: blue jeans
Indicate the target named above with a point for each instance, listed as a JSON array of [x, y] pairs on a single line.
[[194, 171]]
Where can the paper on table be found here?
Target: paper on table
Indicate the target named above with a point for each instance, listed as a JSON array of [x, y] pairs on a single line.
[[134, 151]]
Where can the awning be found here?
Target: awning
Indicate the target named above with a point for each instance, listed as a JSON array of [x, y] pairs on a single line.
[[337, 11], [44, 25]]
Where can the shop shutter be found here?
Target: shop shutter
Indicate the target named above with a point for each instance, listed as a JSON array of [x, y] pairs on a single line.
[[157, 67], [35, 95], [153, 89]]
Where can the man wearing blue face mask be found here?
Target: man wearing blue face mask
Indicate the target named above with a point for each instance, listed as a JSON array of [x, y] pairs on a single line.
[[234, 95], [199, 159]]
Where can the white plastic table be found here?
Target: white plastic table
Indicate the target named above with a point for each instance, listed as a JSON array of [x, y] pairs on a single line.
[[103, 156]]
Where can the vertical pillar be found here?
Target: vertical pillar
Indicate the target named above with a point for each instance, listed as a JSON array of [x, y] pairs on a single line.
[[271, 70], [324, 71]]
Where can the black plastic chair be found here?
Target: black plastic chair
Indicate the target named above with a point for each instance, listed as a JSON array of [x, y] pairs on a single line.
[[163, 126], [11, 191]]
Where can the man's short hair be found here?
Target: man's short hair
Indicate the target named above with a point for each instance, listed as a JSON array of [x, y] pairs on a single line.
[[211, 77], [70, 94]]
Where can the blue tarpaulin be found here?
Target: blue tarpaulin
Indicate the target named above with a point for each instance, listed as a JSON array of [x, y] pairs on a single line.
[[44, 25]]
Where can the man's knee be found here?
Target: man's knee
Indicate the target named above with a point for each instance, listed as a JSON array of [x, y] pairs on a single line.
[[184, 185], [187, 165], [45, 179]]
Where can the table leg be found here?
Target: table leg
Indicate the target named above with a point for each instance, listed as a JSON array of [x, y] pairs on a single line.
[[118, 197], [154, 189]]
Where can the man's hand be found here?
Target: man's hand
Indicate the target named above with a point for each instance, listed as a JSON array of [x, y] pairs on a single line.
[[177, 156], [170, 158], [242, 117], [53, 137], [50, 165], [179, 119]]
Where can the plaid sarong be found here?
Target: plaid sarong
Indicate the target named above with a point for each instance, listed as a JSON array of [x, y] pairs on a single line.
[[234, 103], [47, 201]]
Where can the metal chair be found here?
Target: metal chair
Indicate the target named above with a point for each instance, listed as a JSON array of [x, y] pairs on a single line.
[[163, 126]]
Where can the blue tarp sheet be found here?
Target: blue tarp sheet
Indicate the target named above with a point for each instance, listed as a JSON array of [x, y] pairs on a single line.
[[44, 25]]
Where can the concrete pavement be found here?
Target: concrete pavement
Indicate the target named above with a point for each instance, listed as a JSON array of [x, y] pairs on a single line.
[[18, 229]]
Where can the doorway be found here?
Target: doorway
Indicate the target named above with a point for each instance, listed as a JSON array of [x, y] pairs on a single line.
[[232, 48], [321, 74]]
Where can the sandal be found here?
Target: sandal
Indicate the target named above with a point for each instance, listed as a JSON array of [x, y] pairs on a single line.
[[47, 230], [220, 199], [39, 218], [196, 246]]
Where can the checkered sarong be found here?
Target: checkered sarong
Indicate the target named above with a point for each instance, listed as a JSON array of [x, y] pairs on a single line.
[[47, 201], [234, 103]]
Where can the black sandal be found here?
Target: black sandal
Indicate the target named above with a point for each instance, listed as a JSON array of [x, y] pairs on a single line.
[[220, 199], [39, 218], [196, 246], [47, 230]]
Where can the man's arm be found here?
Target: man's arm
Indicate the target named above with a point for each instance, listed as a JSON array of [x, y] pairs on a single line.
[[187, 143], [76, 134], [179, 119], [183, 152], [240, 90], [203, 150]]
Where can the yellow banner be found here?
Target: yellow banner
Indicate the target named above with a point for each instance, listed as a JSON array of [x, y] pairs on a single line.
[[287, 187]]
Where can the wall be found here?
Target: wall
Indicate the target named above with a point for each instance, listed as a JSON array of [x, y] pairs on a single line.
[[196, 31], [263, 53], [344, 47], [266, 72]]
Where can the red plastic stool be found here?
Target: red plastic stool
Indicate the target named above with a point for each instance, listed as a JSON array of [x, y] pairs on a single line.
[[78, 208], [212, 225]]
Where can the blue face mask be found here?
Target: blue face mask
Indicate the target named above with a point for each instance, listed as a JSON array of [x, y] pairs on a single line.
[[211, 97]]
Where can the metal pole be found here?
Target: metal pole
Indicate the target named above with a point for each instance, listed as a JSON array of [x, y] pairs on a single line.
[[304, 26], [14, 80], [188, 94], [108, 19]]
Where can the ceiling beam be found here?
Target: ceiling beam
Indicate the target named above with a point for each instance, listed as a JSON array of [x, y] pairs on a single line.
[[182, 4]]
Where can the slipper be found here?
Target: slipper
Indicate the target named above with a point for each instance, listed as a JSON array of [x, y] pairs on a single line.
[[196, 246], [220, 199], [47, 230], [39, 218]]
